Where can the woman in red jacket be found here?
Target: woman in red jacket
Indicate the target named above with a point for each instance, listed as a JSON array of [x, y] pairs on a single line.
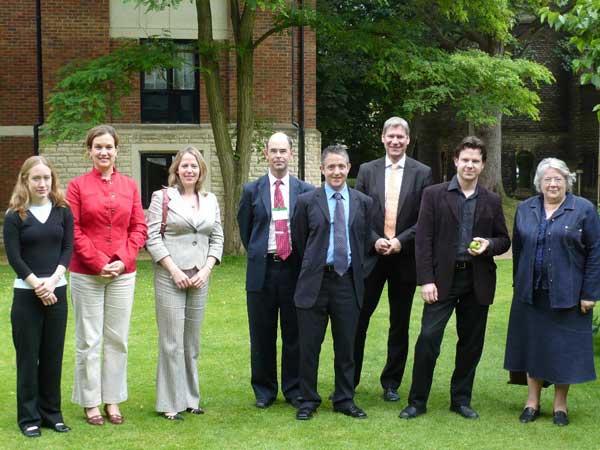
[[110, 228]]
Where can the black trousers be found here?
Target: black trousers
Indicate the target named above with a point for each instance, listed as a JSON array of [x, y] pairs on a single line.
[[400, 295], [39, 337], [471, 319], [336, 300], [264, 307]]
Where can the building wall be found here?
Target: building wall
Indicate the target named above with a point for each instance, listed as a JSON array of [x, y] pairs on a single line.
[[70, 159], [75, 29]]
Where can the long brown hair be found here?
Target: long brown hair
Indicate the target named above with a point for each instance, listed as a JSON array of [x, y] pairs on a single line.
[[174, 177], [20, 199]]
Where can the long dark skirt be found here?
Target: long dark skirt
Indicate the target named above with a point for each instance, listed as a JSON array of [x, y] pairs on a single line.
[[555, 345]]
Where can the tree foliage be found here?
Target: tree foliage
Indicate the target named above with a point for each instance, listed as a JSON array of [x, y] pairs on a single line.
[[90, 91], [581, 19], [415, 56]]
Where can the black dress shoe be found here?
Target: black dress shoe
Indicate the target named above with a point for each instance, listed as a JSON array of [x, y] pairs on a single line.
[[304, 413], [411, 411], [560, 418], [529, 414], [197, 411], [352, 411], [61, 427], [263, 404], [390, 395], [32, 432], [176, 416], [465, 411], [296, 402]]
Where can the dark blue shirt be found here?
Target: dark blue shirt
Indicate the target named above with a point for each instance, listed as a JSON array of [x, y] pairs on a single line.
[[466, 212]]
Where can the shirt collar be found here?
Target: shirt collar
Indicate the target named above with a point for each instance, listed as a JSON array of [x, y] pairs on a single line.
[[454, 186], [329, 191], [285, 180], [388, 161], [98, 174]]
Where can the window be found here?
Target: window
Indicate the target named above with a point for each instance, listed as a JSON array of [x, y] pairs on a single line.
[[155, 173], [171, 95]]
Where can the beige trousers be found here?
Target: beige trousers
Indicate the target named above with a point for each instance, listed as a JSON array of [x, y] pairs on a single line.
[[102, 312], [179, 315]]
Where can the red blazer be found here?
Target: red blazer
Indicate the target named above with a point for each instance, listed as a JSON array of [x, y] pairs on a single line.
[[437, 238], [109, 221]]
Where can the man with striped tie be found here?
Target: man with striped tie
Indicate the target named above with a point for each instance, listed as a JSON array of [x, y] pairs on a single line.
[[264, 215], [331, 234]]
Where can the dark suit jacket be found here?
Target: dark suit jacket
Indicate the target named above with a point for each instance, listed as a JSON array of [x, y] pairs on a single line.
[[254, 218], [371, 181], [310, 236], [437, 239]]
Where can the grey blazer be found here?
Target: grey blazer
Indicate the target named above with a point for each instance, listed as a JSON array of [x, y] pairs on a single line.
[[188, 243]]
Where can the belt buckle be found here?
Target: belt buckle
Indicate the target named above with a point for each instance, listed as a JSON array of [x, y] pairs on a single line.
[[461, 265], [276, 258]]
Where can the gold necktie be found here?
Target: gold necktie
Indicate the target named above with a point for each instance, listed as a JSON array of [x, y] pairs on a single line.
[[392, 193]]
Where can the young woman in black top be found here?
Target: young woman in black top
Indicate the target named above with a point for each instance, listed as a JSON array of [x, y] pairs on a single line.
[[38, 236]]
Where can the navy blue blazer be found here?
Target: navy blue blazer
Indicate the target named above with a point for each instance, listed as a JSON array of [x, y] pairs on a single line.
[[310, 235], [573, 246], [254, 218]]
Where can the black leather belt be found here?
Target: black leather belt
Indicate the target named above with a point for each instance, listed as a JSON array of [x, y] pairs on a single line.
[[462, 265], [330, 268]]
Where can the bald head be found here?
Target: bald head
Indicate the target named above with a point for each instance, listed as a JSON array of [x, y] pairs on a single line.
[[279, 153]]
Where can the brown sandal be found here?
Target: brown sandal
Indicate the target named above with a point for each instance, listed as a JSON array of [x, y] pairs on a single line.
[[115, 419], [93, 420]]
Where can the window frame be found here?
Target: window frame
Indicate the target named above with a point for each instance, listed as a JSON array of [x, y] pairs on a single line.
[[173, 95]]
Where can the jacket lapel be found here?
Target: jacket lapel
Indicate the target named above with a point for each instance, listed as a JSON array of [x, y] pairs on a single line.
[[178, 206], [452, 202], [407, 180], [379, 174], [353, 202], [264, 191], [322, 202], [294, 192]]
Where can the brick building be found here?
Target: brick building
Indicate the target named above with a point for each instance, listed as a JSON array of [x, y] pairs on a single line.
[[166, 110], [568, 129]]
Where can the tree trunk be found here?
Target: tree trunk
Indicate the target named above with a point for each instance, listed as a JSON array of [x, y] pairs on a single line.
[[209, 62], [491, 176]]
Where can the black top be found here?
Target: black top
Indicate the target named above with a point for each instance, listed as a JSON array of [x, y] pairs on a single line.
[[35, 247], [467, 217]]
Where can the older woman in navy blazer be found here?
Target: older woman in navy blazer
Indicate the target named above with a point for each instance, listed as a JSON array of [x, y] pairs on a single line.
[[556, 270], [185, 254]]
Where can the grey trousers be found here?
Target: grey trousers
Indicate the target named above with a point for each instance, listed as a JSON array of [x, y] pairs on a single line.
[[179, 315], [102, 311]]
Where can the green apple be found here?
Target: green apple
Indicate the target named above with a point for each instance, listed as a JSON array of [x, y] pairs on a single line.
[[474, 245]]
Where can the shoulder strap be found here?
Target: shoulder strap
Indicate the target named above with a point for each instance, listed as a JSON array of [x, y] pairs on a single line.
[[165, 211]]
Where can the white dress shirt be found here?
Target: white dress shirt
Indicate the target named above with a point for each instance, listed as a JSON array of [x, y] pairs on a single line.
[[285, 191]]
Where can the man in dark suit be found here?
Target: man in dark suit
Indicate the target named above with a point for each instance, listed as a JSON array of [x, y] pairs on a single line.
[[461, 227], [264, 215], [395, 183], [330, 231]]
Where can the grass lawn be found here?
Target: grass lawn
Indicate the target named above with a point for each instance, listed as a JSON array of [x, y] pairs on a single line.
[[232, 422]]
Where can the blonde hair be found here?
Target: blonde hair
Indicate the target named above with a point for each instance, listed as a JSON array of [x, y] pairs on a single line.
[[20, 199], [174, 177]]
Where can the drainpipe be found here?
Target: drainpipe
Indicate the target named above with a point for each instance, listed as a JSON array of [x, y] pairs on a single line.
[[301, 133], [40, 78]]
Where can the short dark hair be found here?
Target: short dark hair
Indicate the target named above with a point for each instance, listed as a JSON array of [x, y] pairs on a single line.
[[101, 130], [473, 143], [337, 149]]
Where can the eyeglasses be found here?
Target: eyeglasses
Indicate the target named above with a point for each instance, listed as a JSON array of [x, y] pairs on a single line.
[[556, 180]]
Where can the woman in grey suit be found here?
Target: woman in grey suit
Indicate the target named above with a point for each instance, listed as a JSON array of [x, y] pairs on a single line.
[[184, 252]]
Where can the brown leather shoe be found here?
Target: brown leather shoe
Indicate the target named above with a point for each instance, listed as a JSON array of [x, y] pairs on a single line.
[[93, 420], [115, 419]]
